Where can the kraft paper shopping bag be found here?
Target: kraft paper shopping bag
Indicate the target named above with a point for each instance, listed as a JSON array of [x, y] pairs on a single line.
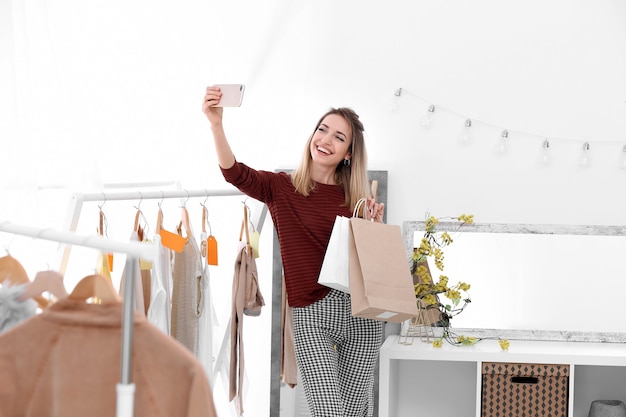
[[381, 286], [334, 272]]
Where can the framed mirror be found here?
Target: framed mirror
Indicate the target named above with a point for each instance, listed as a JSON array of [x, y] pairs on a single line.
[[537, 282]]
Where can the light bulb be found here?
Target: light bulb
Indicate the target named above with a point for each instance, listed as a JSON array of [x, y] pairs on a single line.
[[427, 120], [585, 159], [544, 158], [622, 163], [503, 142], [465, 135], [396, 98]]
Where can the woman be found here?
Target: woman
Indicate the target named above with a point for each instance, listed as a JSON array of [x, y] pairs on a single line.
[[335, 352]]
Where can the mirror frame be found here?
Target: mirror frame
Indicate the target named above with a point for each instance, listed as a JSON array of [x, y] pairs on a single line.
[[410, 227]]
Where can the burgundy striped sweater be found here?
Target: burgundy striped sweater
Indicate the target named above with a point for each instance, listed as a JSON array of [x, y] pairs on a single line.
[[303, 225]]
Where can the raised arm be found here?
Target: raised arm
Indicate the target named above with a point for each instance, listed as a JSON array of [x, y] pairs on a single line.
[[225, 155]]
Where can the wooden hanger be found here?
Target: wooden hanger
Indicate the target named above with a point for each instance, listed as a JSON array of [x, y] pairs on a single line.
[[50, 281], [244, 226], [185, 221], [159, 222], [95, 286], [11, 270]]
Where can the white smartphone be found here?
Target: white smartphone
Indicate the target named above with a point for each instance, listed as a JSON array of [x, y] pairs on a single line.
[[232, 95]]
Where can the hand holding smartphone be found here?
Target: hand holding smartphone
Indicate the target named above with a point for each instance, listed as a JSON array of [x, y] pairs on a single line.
[[232, 95]]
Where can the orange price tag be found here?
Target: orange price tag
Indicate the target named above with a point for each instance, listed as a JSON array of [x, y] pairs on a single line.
[[110, 260], [211, 244], [172, 241]]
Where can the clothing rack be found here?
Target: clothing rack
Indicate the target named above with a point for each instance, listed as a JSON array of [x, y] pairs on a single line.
[[78, 200], [134, 250]]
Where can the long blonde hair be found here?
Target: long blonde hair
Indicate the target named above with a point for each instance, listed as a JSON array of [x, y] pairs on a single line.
[[353, 177]]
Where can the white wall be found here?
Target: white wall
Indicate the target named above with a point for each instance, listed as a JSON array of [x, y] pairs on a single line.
[[99, 92]]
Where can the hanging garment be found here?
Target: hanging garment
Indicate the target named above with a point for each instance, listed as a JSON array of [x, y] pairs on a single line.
[[159, 309], [139, 300], [187, 295], [246, 298], [12, 310], [102, 265], [65, 362], [288, 366], [207, 320]]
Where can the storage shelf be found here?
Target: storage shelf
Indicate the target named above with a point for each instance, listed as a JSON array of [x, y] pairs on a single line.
[[600, 364]]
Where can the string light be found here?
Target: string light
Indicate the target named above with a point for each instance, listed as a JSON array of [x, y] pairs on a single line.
[[465, 135], [545, 158], [503, 143], [427, 120], [585, 159]]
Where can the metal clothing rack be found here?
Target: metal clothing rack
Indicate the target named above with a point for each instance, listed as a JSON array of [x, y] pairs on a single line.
[[134, 251], [76, 206]]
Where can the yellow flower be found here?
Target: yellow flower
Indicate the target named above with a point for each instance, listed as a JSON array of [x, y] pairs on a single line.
[[464, 286], [424, 275], [438, 342], [430, 299], [446, 239], [504, 344], [453, 295], [466, 340], [431, 222], [467, 218]]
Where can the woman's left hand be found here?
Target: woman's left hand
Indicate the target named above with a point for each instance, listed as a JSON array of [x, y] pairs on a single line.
[[375, 211]]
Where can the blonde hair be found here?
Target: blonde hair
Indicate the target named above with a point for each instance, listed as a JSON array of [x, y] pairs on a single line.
[[353, 177]]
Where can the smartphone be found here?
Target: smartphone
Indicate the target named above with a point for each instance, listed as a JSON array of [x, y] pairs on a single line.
[[232, 95]]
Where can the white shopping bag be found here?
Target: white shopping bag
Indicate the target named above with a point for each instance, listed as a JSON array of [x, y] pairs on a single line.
[[335, 273]]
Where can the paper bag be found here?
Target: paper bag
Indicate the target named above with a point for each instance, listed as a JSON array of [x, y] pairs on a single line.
[[334, 272], [381, 286]]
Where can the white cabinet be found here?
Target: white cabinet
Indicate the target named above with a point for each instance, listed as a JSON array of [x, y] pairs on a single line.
[[421, 380]]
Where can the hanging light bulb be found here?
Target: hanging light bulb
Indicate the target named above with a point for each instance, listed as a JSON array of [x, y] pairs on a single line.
[[585, 159], [503, 142], [465, 135], [396, 98], [427, 120], [622, 163], [545, 158]]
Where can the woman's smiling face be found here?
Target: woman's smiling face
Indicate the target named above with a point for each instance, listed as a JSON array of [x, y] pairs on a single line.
[[331, 141]]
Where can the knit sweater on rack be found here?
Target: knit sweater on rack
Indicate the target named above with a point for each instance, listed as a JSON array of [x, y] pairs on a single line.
[[303, 225], [65, 362]]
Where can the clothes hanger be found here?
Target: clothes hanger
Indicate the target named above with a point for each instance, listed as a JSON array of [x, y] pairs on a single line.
[[11, 270], [185, 219], [244, 226], [45, 281], [95, 286], [141, 231], [170, 240], [102, 231], [159, 222], [209, 245], [252, 237]]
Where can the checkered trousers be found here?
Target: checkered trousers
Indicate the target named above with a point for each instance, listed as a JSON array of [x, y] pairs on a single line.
[[336, 355]]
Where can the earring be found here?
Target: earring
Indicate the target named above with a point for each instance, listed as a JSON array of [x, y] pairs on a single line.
[[346, 162]]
